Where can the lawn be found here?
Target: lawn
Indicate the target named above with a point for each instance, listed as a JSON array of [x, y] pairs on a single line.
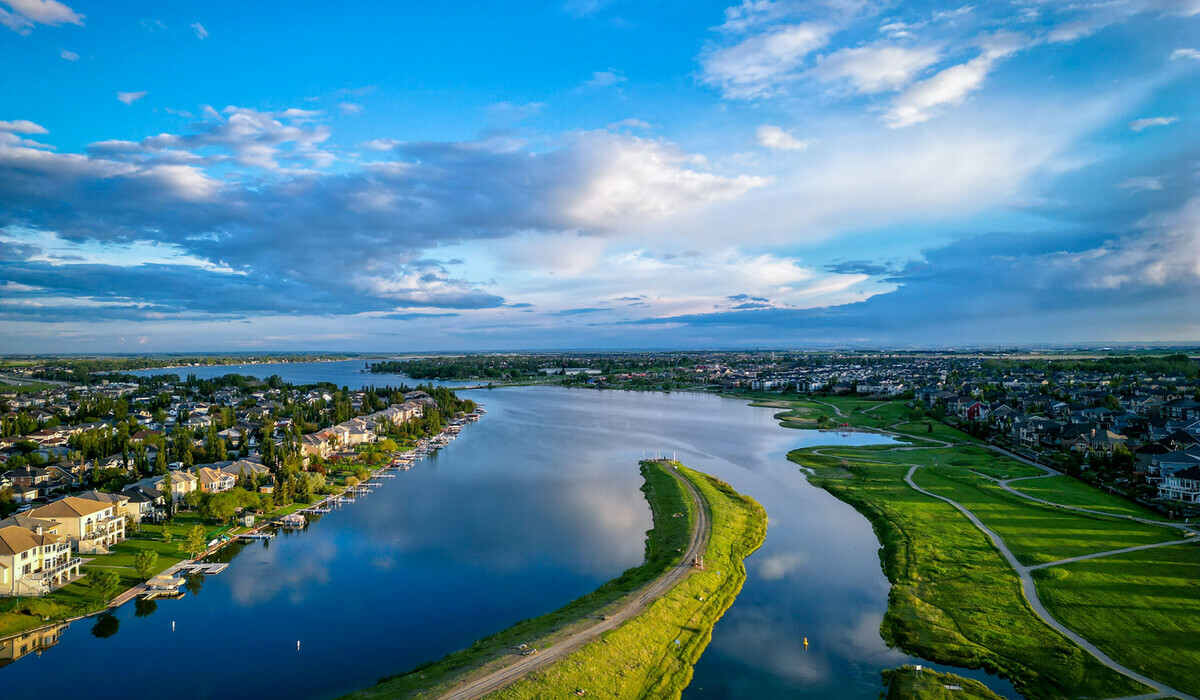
[[1070, 491], [78, 598], [954, 599], [669, 534], [652, 655], [1141, 608], [1037, 534]]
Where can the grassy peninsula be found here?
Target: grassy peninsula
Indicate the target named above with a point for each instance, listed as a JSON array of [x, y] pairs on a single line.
[[956, 600], [653, 654], [640, 658]]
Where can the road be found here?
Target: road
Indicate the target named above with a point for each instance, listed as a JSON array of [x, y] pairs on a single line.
[[1036, 603], [479, 687]]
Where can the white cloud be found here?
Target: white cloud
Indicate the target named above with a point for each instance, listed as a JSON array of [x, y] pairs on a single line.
[[605, 78], [22, 126], [924, 100], [201, 32], [953, 14], [381, 145], [871, 69], [24, 14], [630, 180], [130, 97], [760, 65], [184, 181], [755, 13], [1141, 184], [1167, 251], [774, 137], [350, 108], [1185, 53], [68, 55], [1140, 124], [629, 124]]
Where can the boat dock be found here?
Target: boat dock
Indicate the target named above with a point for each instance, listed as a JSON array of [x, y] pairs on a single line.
[[203, 568]]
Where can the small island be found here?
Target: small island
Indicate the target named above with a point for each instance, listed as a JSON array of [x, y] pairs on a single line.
[[652, 622]]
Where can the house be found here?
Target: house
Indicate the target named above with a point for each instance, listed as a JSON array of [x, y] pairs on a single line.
[[91, 526], [1164, 465], [141, 501], [315, 444], [1183, 485], [34, 562], [120, 501], [245, 467], [215, 480], [182, 483], [1096, 440], [29, 476]]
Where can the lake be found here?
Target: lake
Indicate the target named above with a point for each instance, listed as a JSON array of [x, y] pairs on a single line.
[[531, 507]]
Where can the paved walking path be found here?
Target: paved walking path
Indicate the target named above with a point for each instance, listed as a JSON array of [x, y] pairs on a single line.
[[1023, 572], [524, 665], [1036, 603], [1109, 553]]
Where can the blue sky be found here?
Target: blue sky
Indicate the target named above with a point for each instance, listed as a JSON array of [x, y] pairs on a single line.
[[597, 174]]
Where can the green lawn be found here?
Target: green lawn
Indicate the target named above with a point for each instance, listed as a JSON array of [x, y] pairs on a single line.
[[1070, 491], [1037, 534], [954, 599], [1141, 608]]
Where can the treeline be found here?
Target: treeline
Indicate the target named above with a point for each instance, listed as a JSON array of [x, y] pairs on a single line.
[[79, 370], [517, 366], [1176, 364]]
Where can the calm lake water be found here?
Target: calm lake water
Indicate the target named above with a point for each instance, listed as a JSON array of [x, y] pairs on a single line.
[[531, 507]]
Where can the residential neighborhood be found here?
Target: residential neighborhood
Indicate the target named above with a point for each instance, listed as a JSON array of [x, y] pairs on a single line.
[[83, 468]]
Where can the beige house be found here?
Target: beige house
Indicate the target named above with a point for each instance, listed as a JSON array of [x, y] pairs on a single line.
[[34, 562], [91, 526], [182, 483], [215, 480]]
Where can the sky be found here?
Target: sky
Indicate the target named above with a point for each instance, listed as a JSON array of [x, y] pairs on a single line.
[[597, 174]]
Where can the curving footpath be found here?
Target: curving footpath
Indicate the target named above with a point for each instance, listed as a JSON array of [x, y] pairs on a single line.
[[1027, 584], [638, 602], [1036, 603]]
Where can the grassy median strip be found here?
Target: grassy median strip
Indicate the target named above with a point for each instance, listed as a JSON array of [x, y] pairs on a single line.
[[663, 543], [652, 655]]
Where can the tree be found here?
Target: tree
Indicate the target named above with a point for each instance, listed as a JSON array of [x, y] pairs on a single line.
[[196, 542], [164, 487], [167, 536], [144, 563], [104, 582]]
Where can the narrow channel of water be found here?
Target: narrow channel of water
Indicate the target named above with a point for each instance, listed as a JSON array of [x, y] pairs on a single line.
[[531, 507]]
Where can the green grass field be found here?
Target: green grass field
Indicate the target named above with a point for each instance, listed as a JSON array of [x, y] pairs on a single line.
[[954, 599], [1069, 491], [651, 656], [1141, 608], [1037, 534], [669, 534]]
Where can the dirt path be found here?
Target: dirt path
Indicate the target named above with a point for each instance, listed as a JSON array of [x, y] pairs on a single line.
[[637, 602]]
